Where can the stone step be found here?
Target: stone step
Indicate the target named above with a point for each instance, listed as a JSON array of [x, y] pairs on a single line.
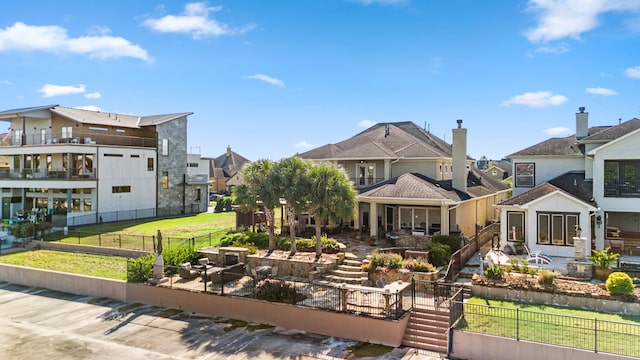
[[346, 280], [423, 344], [349, 274], [352, 268], [352, 262]]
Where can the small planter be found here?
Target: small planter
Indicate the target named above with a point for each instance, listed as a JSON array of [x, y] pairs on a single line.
[[603, 274]]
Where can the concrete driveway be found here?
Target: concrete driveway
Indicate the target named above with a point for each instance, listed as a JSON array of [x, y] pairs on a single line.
[[43, 324]]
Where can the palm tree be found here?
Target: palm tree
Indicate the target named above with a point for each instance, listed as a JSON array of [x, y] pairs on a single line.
[[330, 197], [289, 176], [257, 189]]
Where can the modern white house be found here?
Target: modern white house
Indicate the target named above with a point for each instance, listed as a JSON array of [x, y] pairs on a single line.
[[589, 180], [73, 167], [409, 181]]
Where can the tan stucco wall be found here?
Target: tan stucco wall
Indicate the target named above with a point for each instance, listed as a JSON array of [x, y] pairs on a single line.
[[485, 347], [290, 317]]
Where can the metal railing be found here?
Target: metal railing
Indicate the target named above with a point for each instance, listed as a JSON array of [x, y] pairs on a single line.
[[462, 256], [622, 188], [560, 330], [81, 173], [77, 137]]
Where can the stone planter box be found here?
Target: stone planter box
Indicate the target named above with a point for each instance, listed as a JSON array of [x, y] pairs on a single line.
[[394, 275]]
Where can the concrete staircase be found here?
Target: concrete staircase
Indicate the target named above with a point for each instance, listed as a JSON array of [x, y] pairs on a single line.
[[349, 272], [428, 330]]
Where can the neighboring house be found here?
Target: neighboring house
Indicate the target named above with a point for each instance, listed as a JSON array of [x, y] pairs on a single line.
[[500, 170], [590, 179], [412, 182], [225, 168], [80, 167]]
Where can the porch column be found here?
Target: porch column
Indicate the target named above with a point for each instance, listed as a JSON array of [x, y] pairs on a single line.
[[373, 220], [600, 229], [387, 169], [444, 219], [356, 217]]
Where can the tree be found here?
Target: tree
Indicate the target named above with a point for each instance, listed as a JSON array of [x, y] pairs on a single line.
[[256, 188], [331, 197], [289, 178]]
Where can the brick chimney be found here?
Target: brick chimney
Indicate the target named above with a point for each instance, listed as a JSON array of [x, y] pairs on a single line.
[[228, 150], [459, 154], [582, 123]]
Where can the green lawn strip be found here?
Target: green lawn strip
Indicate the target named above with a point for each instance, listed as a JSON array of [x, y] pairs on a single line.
[[554, 325], [207, 230], [110, 267]]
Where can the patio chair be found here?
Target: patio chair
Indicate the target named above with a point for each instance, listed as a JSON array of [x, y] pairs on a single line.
[[536, 256], [187, 272]]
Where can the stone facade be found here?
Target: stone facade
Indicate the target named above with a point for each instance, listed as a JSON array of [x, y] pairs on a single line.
[[171, 198]]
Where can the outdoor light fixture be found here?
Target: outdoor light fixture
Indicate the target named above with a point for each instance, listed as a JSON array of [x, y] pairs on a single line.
[[598, 220]]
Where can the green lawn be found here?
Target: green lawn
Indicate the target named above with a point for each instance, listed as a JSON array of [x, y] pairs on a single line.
[[576, 328], [206, 228], [110, 267]]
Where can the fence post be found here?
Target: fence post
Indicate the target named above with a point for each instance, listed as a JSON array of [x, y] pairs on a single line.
[[209, 239], [143, 237], [595, 335], [100, 239], [517, 324], [120, 240]]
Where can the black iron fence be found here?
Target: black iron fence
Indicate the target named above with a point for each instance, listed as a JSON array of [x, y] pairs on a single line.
[[435, 294], [462, 256], [124, 215], [357, 300], [568, 331]]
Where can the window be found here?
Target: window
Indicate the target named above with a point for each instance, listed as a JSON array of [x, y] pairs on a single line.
[[43, 136], [135, 156], [87, 204], [165, 146], [525, 174], [165, 179], [150, 164], [197, 193], [67, 132], [622, 178], [121, 189], [113, 155], [515, 226], [366, 174], [17, 136], [557, 228]]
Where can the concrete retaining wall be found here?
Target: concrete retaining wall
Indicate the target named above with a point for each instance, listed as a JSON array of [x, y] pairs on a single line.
[[576, 302], [49, 245], [468, 345]]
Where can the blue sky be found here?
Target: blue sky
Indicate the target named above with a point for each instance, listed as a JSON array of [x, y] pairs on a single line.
[[273, 78]]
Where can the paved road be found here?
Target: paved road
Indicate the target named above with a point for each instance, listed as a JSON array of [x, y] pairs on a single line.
[[43, 324]]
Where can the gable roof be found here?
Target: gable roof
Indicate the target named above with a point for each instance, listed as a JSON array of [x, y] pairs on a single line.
[[113, 119], [12, 113], [418, 186], [572, 183], [384, 141], [570, 146], [227, 164]]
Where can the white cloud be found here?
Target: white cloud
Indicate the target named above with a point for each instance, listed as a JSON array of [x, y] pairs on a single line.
[[556, 131], [268, 79], [633, 72], [95, 95], [559, 19], [6, 82], [557, 49], [54, 39], [536, 99], [49, 90], [195, 21], [366, 123], [89, 107], [303, 145], [601, 91]]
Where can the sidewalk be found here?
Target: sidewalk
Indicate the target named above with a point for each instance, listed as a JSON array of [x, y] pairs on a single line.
[[52, 325]]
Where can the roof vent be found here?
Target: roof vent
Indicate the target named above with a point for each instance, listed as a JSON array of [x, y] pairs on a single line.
[[386, 130], [581, 109]]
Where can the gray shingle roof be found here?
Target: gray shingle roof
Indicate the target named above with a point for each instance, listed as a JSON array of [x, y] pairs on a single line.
[[614, 132], [404, 139], [572, 183]]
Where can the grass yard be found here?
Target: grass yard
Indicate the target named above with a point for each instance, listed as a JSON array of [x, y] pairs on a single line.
[[576, 328], [110, 267], [206, 228]]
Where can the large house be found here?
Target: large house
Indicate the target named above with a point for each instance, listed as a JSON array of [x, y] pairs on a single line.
[[225, 171], [590, 181], [412, 182], [75, 167]]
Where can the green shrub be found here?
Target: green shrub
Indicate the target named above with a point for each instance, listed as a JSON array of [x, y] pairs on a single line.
[[545, 277], [494, 273], [223, 205], [279, 291], [439, 253], [454, 241], [141, 269], [419, 265], [619, 283], [389, 261], [24, 229], [179, 256]]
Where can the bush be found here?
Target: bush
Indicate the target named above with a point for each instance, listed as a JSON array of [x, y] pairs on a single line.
[[619, 283], [279, 291], [419, 265], [141, 269], [454, 241], [494, 273], [223, 205], [545, 277], [388, 261], [179, 256], [24, 229], [439, 253]]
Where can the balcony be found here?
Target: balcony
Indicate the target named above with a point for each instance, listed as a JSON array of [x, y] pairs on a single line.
[[86, 138], [622, 188], [360, 183], [195, 179], [53, 174]]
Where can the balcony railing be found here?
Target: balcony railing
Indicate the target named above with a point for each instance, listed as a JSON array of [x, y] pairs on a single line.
[[196, 178], [364, 182], [81, 138], [622, 188], [53, 174]]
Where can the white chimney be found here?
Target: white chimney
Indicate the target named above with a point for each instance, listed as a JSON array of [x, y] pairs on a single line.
[[459, 153], [582, 124]]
